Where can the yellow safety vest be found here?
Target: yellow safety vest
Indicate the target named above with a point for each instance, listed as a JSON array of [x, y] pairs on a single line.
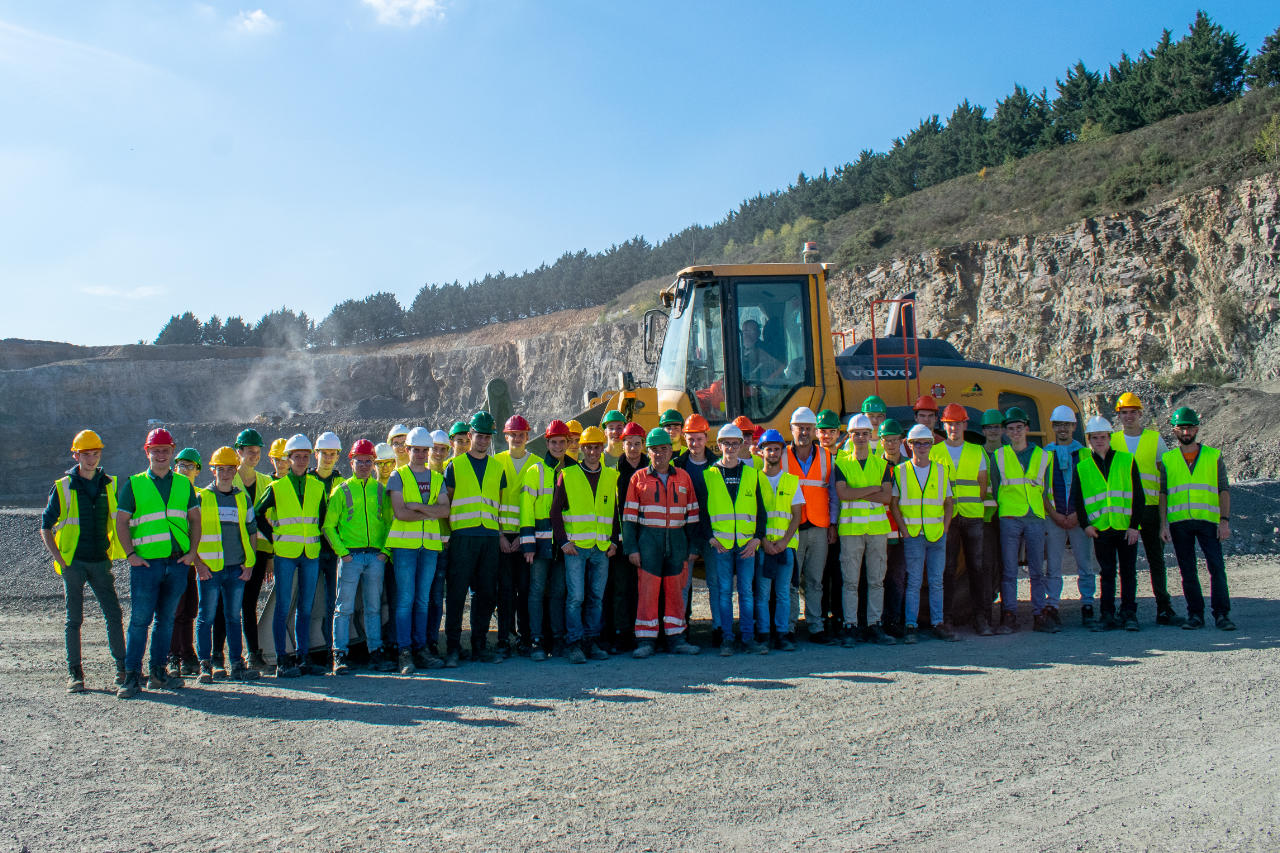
[[1192, 494], [732, 522], [777, 505], [964, 478], [66, 530], [923, 509], [296, 530], [262, 482], [154, 522], [1145, 456], [509, 506], [212, 517], [535, 503], [588, 517], [1108, 501], [357, 515], [475, 504], [417, 534], [862, 518], [1021, 490]]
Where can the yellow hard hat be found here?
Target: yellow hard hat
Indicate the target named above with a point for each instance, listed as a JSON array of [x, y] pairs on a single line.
[[225, 456], [277, 449], [592, 435], [86, 439], [574, 427], [1128, 400]]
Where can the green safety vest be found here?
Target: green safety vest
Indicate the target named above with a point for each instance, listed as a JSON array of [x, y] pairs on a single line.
[[296, 530], [416, 534], [66, 530], [475, 504], [1145, 456], [923, 509], [1108, 501], [211, 520], [153, 522], [862, 518], [358, 515], [535, 502], [588, 518], [1021, 491], [262, 482], [509, 506], [732, 522], [964, 479], [989, 505], [1192, 494], [777, 506]]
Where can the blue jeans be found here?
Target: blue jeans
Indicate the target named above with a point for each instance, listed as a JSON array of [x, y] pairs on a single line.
[[773, 572], [305, 570], [924, 558], [585, 576], [415, 569], [725, 566], [1028, 529], [364, 565], [154, 593], [1086, 566], [227, 586]]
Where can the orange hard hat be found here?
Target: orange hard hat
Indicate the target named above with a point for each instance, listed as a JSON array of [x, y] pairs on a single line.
[[925, 404], [744, 423], [696, 423], [954, 413]]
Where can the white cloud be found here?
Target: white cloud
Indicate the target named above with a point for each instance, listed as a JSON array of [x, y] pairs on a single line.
[[406, 13], [257, 23], [140, 292]]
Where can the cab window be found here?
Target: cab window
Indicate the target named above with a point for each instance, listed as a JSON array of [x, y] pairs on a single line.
[[773, 334]]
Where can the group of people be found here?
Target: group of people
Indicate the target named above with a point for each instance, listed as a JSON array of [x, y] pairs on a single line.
[[586, 551]]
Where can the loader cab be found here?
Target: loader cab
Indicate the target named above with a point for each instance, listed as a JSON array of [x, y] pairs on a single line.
[[739, 341]]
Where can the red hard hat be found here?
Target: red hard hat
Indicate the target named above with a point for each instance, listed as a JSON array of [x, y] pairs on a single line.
[[633, 429], [759, 431], [363, 447], [925, 404], [954, 413], [744, 423], [158, 437], [516, 423], [555, 428], [696, 423]]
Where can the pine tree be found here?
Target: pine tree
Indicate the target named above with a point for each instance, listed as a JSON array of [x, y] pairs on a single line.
[[1075, 103], [183, 329], [1264, 69]]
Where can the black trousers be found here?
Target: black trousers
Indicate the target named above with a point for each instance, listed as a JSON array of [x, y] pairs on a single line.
[[1186, 534], [473, 565], [895, 585], [1111, 549], [1154, 549], [966, 533], [513, 597], [249, 609], [992, 563], [620, 596]]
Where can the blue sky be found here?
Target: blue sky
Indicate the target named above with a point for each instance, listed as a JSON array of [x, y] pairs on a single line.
[[230, 158]]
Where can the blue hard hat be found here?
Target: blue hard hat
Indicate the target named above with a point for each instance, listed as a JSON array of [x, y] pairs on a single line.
[[771, 436]]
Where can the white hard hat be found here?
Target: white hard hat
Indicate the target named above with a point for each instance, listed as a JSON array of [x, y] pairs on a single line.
[[1097, 423], [297, 442], [729, 431], [384, 451], [398, 429], [439, 436], [804, 415], [328, 441], [419, 437], [919, 432], [1063, 415], [859, 421]]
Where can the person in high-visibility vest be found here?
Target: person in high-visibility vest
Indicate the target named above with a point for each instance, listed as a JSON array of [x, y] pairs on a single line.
[[291, 513], [545, 561], [1195, 508], [733, 525], [158, 526], [513, 571], [397, 437], [182, 646], [1020, 483], [923, 505], [622, 594], [876, 411], [328, 449], [811, 462], [613, 423], [966, 465], [224, 561], [1107, 495], [993, 432], [775, 561], [893, 616], [1147, 448], [78, 530], [865, 488], [248, 447], [275, 455], [830, 436], [441, 455], [459, 438], [1061, 527], [694, 461]]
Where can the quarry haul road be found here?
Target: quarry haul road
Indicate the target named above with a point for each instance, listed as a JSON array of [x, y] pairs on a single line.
[[1162, 739]]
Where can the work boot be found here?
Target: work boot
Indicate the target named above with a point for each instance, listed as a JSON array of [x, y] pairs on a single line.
[[287, 667], [1042, 623], [1086, 616], [384, 661], [849, 637], [1008, 622], [1194, 622], [190, 666], [717, 637], [340, 666], [982, 626], [536, 652], [130, 686], [575, 653], [909, 636], [241, 672], [1168, 617], [451, 659], [503, 649], [406, 662], [787, 642], [175, 666], [726, 648], [1054, 617], [942, 631], [595, 652], [119, 673], [1223, 622], [220, 667], [822, 638], [644, 649], [257, 661], [758, 647], [876, 634], [206, 672], [680, 645], [1131, 622], [484, 654], [1106, 623], [75, 679], [160, 679]]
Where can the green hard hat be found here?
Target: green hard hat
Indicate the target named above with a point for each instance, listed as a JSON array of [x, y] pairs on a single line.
[[671, 417], [189, 454], [873, 405], [249, 438], [828, 419], [1015, 415], [657, 437], [1185, 416], [613, 416], [891, 427], [458, 428], [992, 417], [482, 422]]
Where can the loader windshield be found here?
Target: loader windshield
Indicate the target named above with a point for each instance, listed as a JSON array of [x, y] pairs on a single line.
[[693, 352]]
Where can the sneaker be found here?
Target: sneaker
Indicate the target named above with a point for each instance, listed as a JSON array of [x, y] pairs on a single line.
[[175, 666], [1008, 622], [286, 667], [726, 648], [451, 659], [406, 662], [1054, 617], [876, 634], [206, 672], [759, 647], [190, 666], [383, 661], [119, 674], [849, 637], [159, 679], [340, 666], [595, 652], [1168, 617], [644, 649], [717, 637], [982, 626], [220, 668], [257, 661], [130, 686], [484, 654], [576, 654], [1042, 623], [1224, 623], [894, 629], [943, 632], [1193, 623], [75, 680], [1106, 623], [1130, 622], [787, 643], [1086, 616], [241, 672], [822, 638], [503, 650], [537, 652], [680, 645], [909, 635]]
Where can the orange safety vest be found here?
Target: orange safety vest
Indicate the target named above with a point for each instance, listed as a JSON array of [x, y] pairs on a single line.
[[817, 500]]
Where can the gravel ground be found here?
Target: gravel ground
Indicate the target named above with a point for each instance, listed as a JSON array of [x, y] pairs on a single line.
[[1163, 739]]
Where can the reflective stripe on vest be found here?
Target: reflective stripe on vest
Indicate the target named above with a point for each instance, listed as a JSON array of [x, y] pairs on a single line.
[[733, 522], [155, 522], [777, 503], [262, 483], [509, 505], [817, 500], [360, 526], [297, 526], [1145, 457], [416, 534], [1021, 491], [923, 509], [964, 477], [474, 504], [1192, 494], [212, 517], [1108, 501], [66, 530], [535, 503], [588, 516], [860, 518]]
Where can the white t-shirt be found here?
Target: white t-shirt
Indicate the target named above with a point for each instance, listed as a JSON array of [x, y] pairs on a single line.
[[1131, 442], [798, 500]]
